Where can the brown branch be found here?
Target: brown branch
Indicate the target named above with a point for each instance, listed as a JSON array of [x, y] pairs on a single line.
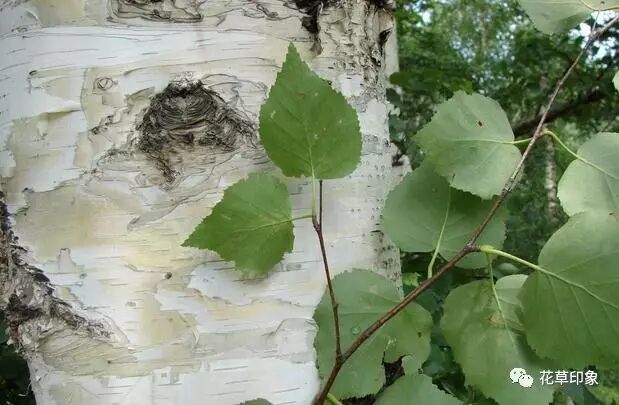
[[470, 245], [317, 222], [538, 131], [526, 126], [385, 318]]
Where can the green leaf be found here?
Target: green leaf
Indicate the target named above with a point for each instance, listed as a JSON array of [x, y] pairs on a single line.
[[251, 225], [591, 183], [506, 269], [415, 389], [477, 327], [410, 280], [412, 364], [552, 16], [423, 210], [362, 298], [608, 389], [307, 128], [509, 288], [440, 363], [470, 143], [571, 305], [616, 81]]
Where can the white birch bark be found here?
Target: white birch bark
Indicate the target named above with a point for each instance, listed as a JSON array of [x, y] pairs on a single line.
[[103, 301]]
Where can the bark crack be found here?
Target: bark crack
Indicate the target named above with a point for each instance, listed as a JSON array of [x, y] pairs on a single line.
[[26, 297]]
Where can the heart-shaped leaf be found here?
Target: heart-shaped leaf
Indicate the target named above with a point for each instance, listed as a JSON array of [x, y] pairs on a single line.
[[306, 127], [423, 213], [251, 225], [362, 298], [591, 183], [571, 305], [470, 142], [415, 389], [477, 324], [552, 16]]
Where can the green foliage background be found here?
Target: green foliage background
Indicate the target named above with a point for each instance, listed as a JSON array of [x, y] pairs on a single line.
[[14, 376], [491, 47]]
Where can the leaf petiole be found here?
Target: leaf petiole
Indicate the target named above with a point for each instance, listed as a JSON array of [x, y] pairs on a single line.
[[563, 145], [440, 236], [314, 194], [333, 399], [521, 141], [576, 155], [496, 295], [302, 217], [490, 250]]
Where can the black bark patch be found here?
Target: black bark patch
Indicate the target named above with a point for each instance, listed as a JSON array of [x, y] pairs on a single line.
[[185, 116], [26, 294], [383, 37], [19, 312], [381, 3], [312, 9], [157, 10]]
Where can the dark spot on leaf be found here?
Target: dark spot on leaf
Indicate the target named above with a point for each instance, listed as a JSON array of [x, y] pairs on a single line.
[[168, 275], [480, 123]]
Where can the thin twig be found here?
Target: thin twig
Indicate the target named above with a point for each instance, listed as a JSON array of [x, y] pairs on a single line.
[[539, 131], [470, 245], [384, 319], [317, 222], [320, 202]]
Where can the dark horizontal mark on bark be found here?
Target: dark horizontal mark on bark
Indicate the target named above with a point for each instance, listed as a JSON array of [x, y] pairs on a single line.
[[313, 8], [157, 10]]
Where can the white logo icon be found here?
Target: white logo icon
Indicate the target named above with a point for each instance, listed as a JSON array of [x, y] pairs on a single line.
[[526, 381], [520, 376]]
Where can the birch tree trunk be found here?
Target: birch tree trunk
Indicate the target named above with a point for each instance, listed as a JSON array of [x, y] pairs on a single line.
[[121, 123]]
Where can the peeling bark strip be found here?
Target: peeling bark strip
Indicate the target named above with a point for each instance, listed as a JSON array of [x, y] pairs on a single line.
[[31, 311], [186, 114], [313, 8], [158, 10]]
